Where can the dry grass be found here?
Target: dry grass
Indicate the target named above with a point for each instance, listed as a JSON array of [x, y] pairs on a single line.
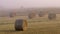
[[40, 25]]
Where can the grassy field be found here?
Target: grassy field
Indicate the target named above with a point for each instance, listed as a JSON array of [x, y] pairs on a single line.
[[39, 25]]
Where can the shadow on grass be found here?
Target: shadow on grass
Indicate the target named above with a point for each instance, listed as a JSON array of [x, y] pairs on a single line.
[[9, 31]]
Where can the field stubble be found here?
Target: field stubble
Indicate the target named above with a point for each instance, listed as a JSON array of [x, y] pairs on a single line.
[[40, 25]]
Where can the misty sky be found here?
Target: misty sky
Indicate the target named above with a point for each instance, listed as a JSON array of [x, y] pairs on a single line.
[[29, 3]]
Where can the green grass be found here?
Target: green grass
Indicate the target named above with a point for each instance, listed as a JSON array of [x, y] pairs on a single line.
[[40, 25]]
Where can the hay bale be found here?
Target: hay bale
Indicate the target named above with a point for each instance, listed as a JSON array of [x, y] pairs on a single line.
[[20, 25], [51, 16], [12, 14], [41, 14], [32, 15]]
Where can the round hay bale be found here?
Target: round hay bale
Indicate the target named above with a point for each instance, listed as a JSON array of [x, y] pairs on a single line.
[[20, 25], [31, 15], [41, 14], [12, 14], [51, 16]]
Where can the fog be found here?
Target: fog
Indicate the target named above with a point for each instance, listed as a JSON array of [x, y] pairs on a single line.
[[28, 3]]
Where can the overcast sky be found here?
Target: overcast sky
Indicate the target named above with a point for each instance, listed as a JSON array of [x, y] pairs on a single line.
[[29, 3]]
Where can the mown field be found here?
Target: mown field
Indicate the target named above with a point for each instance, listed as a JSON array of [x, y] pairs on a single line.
[[38, 25]]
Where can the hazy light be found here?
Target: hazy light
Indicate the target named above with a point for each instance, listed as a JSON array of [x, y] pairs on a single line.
[[29, 3]]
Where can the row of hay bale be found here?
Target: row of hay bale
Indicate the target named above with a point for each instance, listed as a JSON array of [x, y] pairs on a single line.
[[21, 24], [51, 15]]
